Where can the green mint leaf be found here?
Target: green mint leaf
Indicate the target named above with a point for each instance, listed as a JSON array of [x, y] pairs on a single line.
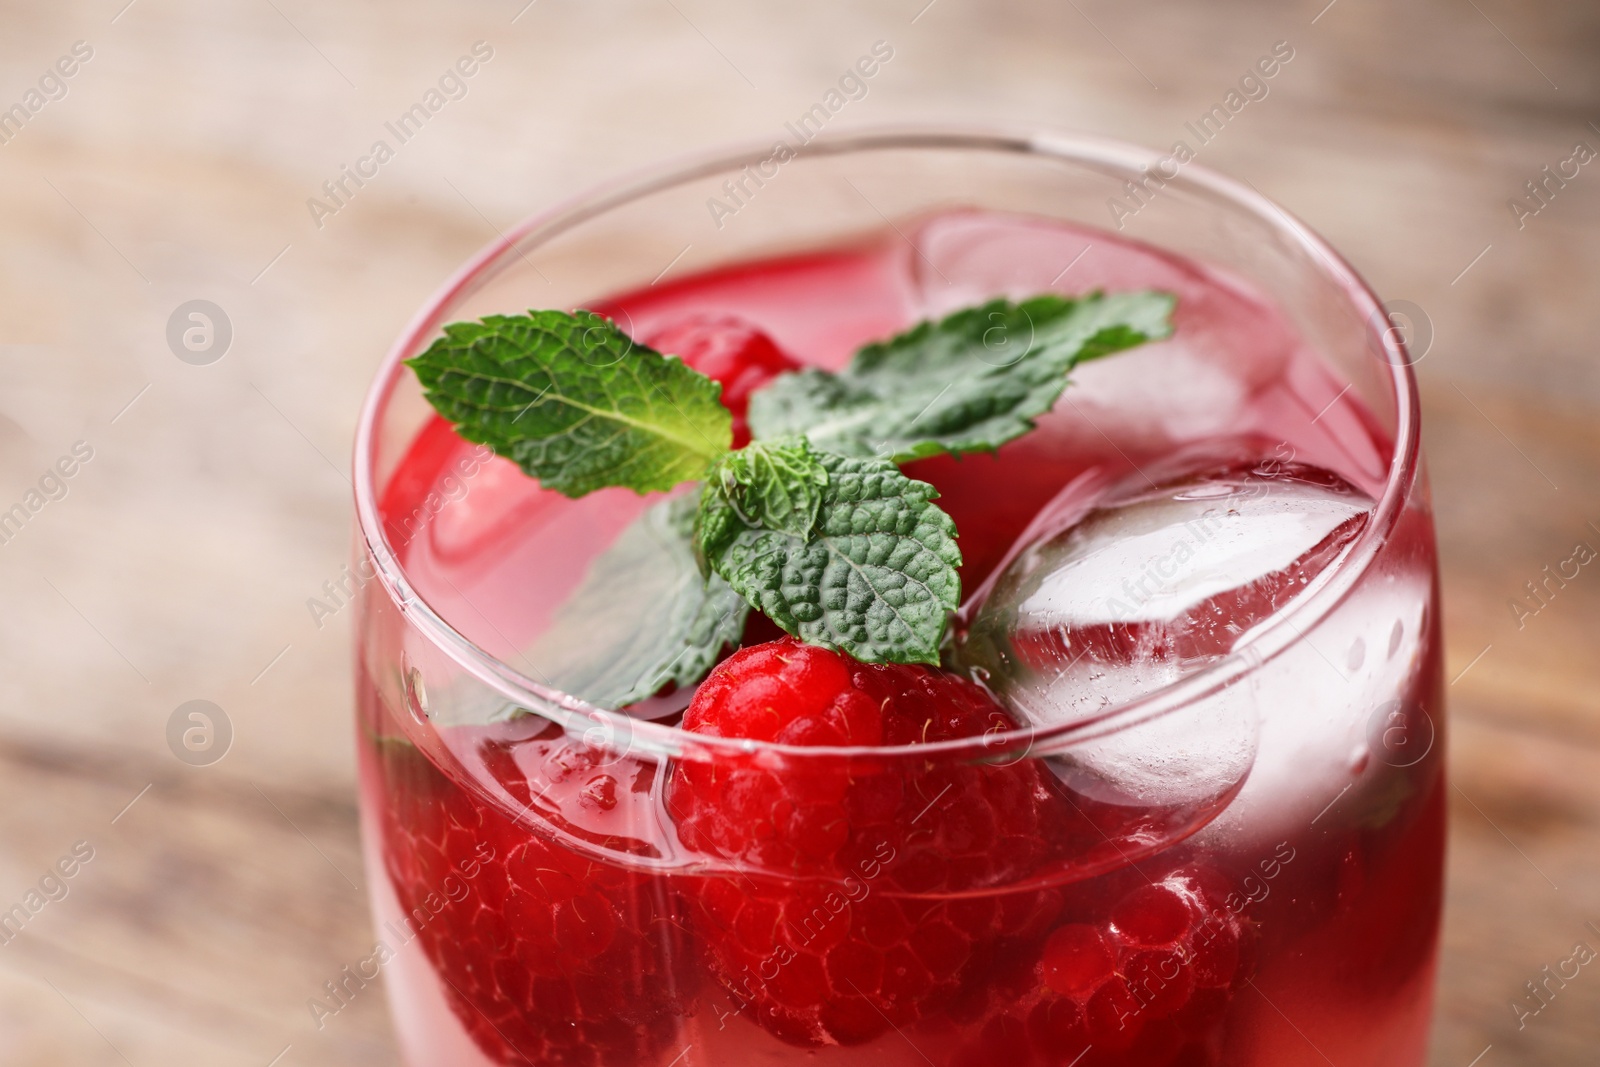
[[876, 577], [574, 402], [773, 484], [969, 382], [642, 617]]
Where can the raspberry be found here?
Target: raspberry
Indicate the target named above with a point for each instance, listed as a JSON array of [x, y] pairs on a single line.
[[1152, 915], [1147, 980], [1077, 960], [843, 925], [543, 956], [1151, 982], [728, 349]]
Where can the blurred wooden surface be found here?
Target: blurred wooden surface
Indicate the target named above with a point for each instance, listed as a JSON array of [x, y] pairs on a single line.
[[177, 566]]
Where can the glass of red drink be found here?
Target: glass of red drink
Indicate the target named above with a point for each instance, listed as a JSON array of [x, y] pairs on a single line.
[[1208, 826]]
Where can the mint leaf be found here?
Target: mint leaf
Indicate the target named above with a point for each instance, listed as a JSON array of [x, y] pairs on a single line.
[[574, 402], [773, 484], [969, 382], [642, 617], [876, 578]]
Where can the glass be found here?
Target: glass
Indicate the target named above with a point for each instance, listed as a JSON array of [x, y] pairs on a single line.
[[1241, 866]]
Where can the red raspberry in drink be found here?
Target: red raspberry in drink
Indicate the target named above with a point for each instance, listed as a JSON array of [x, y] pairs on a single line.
[[543, 956], [841, 929], [1154, 975], [1146, 981]]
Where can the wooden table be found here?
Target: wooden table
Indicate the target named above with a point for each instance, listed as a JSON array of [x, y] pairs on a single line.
[[177, 166]]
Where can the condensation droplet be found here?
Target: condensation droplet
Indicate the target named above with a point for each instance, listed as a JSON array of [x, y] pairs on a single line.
[[1358, 655], [1395, 635]]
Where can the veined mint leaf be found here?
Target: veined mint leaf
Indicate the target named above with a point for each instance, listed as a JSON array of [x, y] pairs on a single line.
[[773, 484], [575, 402], [876, 578], [642, 617], [969, 382]]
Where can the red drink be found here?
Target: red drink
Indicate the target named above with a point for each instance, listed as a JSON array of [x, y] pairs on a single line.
[[1201, 583]]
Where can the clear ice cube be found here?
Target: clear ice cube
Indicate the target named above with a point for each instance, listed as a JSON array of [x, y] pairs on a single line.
[[1115, 598]]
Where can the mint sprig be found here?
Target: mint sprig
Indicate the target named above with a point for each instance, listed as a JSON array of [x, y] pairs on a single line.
[[875, 577], [812, 523], [969, 382], [575, 402]]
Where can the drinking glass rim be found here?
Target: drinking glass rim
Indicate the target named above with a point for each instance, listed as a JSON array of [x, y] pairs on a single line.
[[1266, 640]]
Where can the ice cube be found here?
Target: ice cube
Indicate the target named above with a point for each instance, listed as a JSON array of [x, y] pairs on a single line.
[[1230, 343], [1153, 582]]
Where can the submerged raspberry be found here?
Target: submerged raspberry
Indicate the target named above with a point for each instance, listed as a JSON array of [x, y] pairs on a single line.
[[844, 924], [1151, 981], [729, 349], [1142, 973], [1078, 959], [543, 956]]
